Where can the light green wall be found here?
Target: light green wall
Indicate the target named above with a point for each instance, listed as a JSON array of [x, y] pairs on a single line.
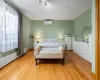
[[59, 27], [87, 19], [93, 35], [26, 32], [83, 20]]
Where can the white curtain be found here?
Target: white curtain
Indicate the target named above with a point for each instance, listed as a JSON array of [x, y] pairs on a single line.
[[8, 27]]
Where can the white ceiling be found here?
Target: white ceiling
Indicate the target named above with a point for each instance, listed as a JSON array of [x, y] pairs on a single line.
[[56, 9]]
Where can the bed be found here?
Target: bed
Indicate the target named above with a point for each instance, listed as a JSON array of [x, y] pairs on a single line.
[[49, 43], [49, 49]]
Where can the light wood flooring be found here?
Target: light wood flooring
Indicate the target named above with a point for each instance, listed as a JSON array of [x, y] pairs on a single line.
[[24, 68]]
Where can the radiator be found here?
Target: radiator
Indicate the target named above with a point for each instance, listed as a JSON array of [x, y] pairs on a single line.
[[5, 60]]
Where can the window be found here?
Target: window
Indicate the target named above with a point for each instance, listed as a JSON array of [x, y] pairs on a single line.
[[8, 27]]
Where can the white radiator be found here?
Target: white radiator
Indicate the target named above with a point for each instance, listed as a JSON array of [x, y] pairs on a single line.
[[5, 60]]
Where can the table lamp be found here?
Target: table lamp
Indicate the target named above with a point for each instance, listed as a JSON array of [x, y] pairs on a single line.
[[38, 37], [61, 38]]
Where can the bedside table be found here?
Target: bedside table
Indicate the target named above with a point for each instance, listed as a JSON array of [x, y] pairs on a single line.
[[35, 44], [62, 44]]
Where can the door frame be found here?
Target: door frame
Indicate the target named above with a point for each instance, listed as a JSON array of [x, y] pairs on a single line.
[[97, 16]]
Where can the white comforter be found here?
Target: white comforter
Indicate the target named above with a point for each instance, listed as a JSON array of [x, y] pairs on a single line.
[[50, 51], [49, 43]]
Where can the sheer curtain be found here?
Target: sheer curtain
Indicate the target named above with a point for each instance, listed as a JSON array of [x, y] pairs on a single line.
[[2, 26], [8, 28]]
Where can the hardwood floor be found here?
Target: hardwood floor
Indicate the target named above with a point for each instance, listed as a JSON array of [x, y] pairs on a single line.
[[81, 64], [24, 68]]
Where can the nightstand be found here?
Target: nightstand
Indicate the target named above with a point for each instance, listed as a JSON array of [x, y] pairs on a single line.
[[35, 44], [62, 44]]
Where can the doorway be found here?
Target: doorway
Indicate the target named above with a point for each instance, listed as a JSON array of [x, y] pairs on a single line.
[[97, 39]]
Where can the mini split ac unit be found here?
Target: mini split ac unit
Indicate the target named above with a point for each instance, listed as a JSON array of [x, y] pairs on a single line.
[[48, 22]]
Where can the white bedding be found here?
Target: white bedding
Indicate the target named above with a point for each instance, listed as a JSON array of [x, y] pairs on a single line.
[[49, 43], [50, 51]]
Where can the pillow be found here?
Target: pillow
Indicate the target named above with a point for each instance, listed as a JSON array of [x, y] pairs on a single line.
[[49, 46]]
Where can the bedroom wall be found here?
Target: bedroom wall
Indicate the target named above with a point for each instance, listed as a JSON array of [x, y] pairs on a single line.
[[59, 28], [93, 35], [87, 19], [83, 20], [26, 32]]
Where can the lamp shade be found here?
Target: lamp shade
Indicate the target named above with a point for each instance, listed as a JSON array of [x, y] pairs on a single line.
[[38, 37], [61, 38]]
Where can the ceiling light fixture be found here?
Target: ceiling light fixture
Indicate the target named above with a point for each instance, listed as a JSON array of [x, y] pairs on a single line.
[[39, 1], [44, 1]]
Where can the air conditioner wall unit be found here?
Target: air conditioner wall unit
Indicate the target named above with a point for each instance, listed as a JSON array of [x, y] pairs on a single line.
[[48, 22]]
